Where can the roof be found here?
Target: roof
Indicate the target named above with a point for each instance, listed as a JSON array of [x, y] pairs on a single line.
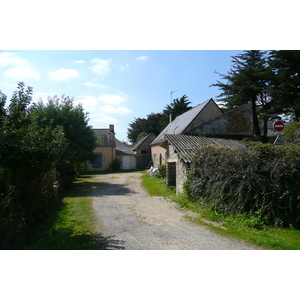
[[181, 122], [106, 137], [141, 141], [186, 146], [123, 149]]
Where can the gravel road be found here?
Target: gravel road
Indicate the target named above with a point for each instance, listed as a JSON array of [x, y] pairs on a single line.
[[130, 219]]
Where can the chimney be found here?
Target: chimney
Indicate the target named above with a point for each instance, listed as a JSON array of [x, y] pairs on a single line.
[[112, 128], [172, 117]]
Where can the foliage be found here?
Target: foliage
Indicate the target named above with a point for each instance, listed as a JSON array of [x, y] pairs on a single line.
[[285, 66], [115, 164], [261, 181], [292, 133], [29, 150], [161, 171], [246, 81], [156, 122], [72, 222], [35, 142], [178, 106], [81, 139]]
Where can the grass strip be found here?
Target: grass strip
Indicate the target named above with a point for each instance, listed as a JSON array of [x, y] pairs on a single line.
[[72, 224]]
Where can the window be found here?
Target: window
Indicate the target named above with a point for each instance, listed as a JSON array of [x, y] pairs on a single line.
[[98, 161]]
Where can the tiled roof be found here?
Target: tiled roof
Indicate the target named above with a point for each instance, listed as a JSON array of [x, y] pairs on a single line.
[[106, 137], [181, 122], [186, 145], [141, 141], [123, 149]]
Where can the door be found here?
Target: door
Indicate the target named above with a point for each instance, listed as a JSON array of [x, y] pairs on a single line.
[[144, 161], [125, 162]]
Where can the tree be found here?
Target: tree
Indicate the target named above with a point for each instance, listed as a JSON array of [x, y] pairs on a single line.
[[247, 81], [292, 133], [178, 106], [138, 126], [156, 122], [29, 151], [81, 139], [285, 65]]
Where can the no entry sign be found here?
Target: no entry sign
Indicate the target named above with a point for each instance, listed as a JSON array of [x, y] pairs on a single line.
[[278, 125]]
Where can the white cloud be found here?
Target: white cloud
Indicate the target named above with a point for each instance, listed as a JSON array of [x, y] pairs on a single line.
[[104, 109], [141, 58], [123, 68], [101, 66], [90, 84], [112, 99], [78, 61], [64, 74], [119, 110], [21, 73], [9, 58], [109, 102]]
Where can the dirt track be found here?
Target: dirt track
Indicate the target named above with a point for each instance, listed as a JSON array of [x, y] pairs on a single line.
[[130, 219]]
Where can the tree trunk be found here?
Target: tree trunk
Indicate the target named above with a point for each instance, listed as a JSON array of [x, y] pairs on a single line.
[[256, 129]]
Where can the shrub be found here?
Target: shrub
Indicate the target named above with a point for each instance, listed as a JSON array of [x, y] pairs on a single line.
[[116, 164], [261, 180]]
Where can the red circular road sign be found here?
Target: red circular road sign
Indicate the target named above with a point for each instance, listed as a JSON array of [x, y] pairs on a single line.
[[278, 125]]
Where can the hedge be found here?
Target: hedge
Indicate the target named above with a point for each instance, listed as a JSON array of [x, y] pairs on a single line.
[[263, 180]]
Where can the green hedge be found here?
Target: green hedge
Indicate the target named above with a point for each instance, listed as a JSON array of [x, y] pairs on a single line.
[[263, 180]]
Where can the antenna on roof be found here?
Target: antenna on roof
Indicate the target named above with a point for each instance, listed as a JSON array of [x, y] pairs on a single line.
[[172, 94]]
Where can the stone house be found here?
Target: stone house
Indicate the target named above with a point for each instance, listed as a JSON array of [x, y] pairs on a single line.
[[236, 124], [143, 151], [181, 150], [202, 125], [109, 149], [181, 125]]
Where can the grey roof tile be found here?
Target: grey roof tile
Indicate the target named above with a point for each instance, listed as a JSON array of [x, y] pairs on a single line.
[[186, 146], [181, 122]]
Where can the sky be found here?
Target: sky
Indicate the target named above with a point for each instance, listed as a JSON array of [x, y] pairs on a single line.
[[116, 86]]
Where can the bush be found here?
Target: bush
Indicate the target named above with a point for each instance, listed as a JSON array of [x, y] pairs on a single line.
[[262, 180], [161, 171], [116, 164]]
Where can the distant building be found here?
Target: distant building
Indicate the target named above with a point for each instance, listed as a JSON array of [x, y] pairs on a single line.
[[143, 151], [109, 149]]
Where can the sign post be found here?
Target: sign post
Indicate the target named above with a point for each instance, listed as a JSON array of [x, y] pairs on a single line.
[[278, 127]]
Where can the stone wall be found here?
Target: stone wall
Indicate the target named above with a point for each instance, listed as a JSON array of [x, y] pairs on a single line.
[[236, 123]]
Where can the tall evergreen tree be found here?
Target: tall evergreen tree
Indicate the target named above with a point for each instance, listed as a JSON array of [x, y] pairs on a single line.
[[285, 65], [246, 81], [178, 106]]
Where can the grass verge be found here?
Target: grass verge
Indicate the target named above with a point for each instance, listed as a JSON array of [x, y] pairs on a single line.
[[71, 225], [242, 227]]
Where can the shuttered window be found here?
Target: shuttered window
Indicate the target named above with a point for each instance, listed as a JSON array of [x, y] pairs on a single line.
[[98, 162]]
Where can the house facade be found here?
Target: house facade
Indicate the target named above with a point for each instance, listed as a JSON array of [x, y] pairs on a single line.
[[110, 148]]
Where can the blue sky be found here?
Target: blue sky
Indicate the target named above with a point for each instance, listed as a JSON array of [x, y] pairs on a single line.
[[116, 86]]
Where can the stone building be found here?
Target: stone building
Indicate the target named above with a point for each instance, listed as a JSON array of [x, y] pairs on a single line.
[[202, 125], [181, 150], [143, 151], [181, 125]]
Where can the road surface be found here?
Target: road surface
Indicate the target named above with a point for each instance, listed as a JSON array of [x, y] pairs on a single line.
[[130, 219]]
